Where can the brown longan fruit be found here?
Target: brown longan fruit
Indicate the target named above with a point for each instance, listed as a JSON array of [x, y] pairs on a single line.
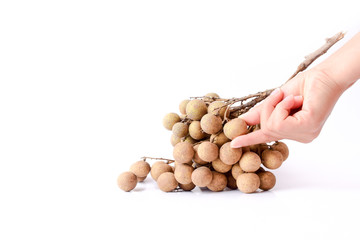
[[183, 152], [195, 109], [281, 147], [229, 155], [167, 182], [189, 140], [201, 176], [217, 109], [187, 187], [250, 162], [261, 169], [127, 181], [248, 182], [208, 151], [170, 119], [219, 139], [158, 168], [220, 167], [174, 140], [195, 130], [218, 182], [211, 96], [236, 170], [180, 129], [196, 158], [272, 159], [235, 128], [141, 179], [183, 173], [267, 180], [182, 106], [231, 181], [140, 168], [210, 123]]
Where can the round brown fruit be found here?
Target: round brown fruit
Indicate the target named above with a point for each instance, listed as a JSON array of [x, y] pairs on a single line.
[[208, 151], [218, 182], [141, 179], [183, 173], [158, 168], [127, 181], [231, 181], [180, 129], [219, 139], [236, 170], [182, 106], [235, 128], [250, 162], [189, 140], [174, 140], [248, 182], [211, 96], [195, 130], [195, 109], [217, 109], [187, 187], [170, 119], [140, 168], [281, 147], [210, 123], [196, 158], [219, 166], [230, 155], [272, 159], [201, 176], [267, 180], [167, 182], [183, 152]]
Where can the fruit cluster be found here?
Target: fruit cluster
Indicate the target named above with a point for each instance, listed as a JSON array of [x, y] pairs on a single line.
[[202, 154]]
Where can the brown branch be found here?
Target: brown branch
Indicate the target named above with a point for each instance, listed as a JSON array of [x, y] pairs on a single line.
[[163, 159]]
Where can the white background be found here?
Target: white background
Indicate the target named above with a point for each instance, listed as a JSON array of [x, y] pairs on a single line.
[[84, 86]]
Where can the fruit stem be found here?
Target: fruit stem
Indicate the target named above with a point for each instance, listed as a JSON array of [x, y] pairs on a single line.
[[163, 159]]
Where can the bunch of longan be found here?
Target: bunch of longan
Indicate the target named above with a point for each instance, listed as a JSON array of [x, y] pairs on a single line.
[[203, 156]]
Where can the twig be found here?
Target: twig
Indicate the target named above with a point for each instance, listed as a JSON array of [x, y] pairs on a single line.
[[164, 159]]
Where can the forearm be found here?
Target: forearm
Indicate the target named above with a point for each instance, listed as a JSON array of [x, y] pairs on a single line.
[[344, 65]]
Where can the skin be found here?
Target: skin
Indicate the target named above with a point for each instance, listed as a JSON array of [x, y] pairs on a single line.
[[299, 109]]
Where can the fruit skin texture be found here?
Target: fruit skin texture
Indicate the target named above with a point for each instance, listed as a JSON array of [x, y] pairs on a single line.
[[267, 180], [218, 182], [158, 168], [229, 155], [220, 167], [195, 109], [250, 162], [140, 168], [127, 181], [236, 170], [219, 139], [210, 123], [208, 151], [248, 182], [187, 187], [183, 152], [170, 119], [182, 106], [217, 109], [281, 147], [196, 157], [183, 173], [195, 130], [167, 182], [180, 129], [235, 128], [201, 176], [272, 159]]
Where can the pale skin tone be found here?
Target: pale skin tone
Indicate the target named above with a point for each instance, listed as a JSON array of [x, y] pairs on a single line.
[[299, 109]]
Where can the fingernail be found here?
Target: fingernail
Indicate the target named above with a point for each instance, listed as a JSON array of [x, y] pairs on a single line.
[[234, 145], [276, 91], [288, 98]]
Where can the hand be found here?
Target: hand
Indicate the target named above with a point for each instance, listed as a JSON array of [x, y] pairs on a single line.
[[296, 111]]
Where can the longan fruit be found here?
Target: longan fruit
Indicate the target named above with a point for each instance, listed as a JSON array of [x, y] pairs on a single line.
[[140, 168], [189, 140], [210, 123], [183, 152], [187, 187], [211, 96], [195, 130], [218, 182], [196, 158], [250, 162], [261, 169], [220, 167], [231, 181], [195, 109], [201, 176], [208, 151], [235, 128], [229, 155], [183, 173], [267, 180], [219, 139], [141, 179], [217, 109], [281, 147], [236, 170], [180, 129], [174, 140], [182, 106], [272, 159], [167, 182], [127, 181], [158, 168], [248, 182], [170, 119]]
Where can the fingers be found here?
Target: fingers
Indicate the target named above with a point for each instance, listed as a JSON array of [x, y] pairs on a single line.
[[251, 138], [252, 117]]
